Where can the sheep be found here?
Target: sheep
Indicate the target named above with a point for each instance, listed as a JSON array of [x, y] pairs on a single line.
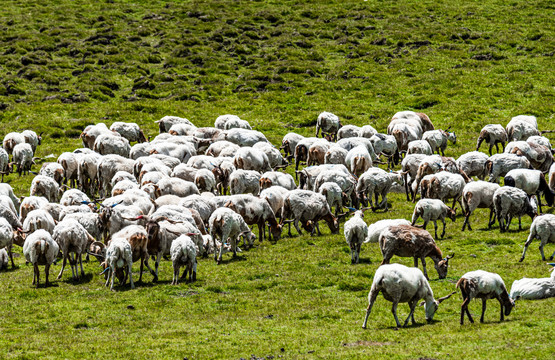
[[70, 164], [181, 129], [350, 143], [404, 134], [346, 182], [182, 152], [118, 261], [484, 285], [308, 207], [10, 216], [419, 147], [348, 131], [39, 219], [376, 182], [289, 143], [273, 178], [4, 258], [443, 186], [412, 117], [409, 167], [45, 186], [433, 164], [493, 134], [309, 174], [534, 289], [244, 182], [540, 156], [248, 158], [6, 241], [438, 139], [90, 221], [542, 228], [223, 119], [176, 186], [183, 252], [227, 224], [376, 229], [522, 127], [205, 181], [23, 158], [53, 170], [32, 138], [400, 284], [329, 124], [244, 137], [532, 182], [107, 166], [540, 140], [333, 194], [409, 241], [72, 238], [510, 201], [551, 177], [29, 204], [4, 161], [335, 155], [237, 124], [201, 204], [386, 145], [500, 164], [225, 148], [478, 194], [141, 168], [301, 150], [87, 172], [91, 132], [11, 140], [355, 231], [367, 131], [358, 160], [275, 196], [130, 131], [256, 211], [40, 249], [317, 152], [166, 122], [74, 197], [473, 164], [433, 209]]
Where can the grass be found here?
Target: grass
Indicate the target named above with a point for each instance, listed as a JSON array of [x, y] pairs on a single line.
[[67, 64]]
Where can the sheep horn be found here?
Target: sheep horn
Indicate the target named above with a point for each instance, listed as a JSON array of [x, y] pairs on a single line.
[[133, 219], [445, 297], [449, 257], [107, 268]]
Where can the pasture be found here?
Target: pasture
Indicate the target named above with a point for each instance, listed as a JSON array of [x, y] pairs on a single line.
[[67, 64]]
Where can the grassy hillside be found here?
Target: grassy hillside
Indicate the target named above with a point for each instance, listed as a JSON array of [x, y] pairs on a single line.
[[66, 64]]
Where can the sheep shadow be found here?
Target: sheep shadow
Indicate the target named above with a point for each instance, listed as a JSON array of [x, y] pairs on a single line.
[[233, 259], [364, 261], [87, 278]]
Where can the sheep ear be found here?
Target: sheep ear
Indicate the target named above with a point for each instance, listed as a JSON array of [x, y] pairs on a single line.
[[422, 303]]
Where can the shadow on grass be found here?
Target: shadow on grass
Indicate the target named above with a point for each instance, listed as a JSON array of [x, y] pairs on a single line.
[[87, 278]]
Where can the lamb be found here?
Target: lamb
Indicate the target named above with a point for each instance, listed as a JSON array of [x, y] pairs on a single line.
[[542, 228], [438, 139], [40, 249], [23, 158], [478, 194], [289, 143], [473, 164], [227, 224], [32, 138], [432, 209], [308, 207], [409, 241], [400, 284], [484, 285], [274, 178], [493, 134], [358, 160], [166, 122], [6, 241], [419, 147], [244, 182], [534, 289], [256, 211], [500, 164], [248, 158], [329, 124], [386, 145], [443, 185], [510, 201], [522, 127], [355, 232], [532, 182], [130, 131], [11, 140], [72, 238], [184, 253], [376, 182], [376, 229]]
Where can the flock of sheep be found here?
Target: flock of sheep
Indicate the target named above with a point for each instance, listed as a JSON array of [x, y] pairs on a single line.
[[168, 196]]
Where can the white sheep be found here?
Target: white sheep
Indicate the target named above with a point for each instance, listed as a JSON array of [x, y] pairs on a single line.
[[205, 181], [110, 143], [478, 194], [377, 182], [166, 122], [317, 152], [223, 119], [91, 132], [542, 228], [6, 241], [118, 261], [4, 162], [367, 131], [109, 165], [534, 288], [532, 182], [275, 178], [438, 139], [409, 167], [521, 127], [329, 124], [289, 143], [335, 155], [500, 164], [551, 177], [348, 131], [39, 219], [4, 259], [244, 182], [53, 170], [432, 210], [308, 207], [130, 131], [333, 194], [11, 140], [419, 147], [40, 249], [443, 185], [184, 253], [493, 134], [400, 284], [248, 158], [473, 164], [484, 285], [176, 186], [509, 202], [32, 138], [227, 224], [237, 124], [540, 156], [222, 148], [376, 229], [358, 160], [386, 145], [355, 231], [244, 137], [72, 237], [23, 158]]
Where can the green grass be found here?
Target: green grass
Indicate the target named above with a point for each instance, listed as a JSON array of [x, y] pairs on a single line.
[[66, 64]]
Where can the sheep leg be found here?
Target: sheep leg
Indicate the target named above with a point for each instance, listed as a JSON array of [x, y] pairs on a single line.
[[317, 228], [36, 274], [491, 214], [443, 232], [528, 242], [412, 306], [154, 276], [131, 274], [372, 299], [63, 267], [73, 266], [46, 273], [435, 228], [466, 222], [502, 318], [541, 251], [415, 262], [81, 264], [424, 267], [539, 201], [157, 264], [464, 309], [394, 311], [112, 275], [296, 223], [484, 310], [175, 272]]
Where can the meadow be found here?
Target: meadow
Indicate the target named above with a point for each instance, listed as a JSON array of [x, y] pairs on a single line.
[[66, 64]]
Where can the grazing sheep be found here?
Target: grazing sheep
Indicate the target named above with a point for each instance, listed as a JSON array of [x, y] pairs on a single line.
[[72, 238], [443, 185], [355, 231], [6, 241], [130, 131], [358, 160], [184, 253], [248, 158], [478, 194], [409, 241], [256, 211], [473, 164], [532, 182], [419, 147], [438, 139], [91, 132], [289, 143], [39, 219], [551, 177], [244, 137], [244, 182], [542, 228], [483, 285], [493, 134], [522, 127], [275, 178], [500, 164], [110, 143], [329, 124], [11, 140], [308, 207], [432, 209], [4, 258], [386, 145], [53, 170], [400, 284], [317, 152], [227, 224], [376, 229], [301, 150], [374, 183], [409, 167], [23, 158], [40, 249], [333, 194], [32, 138], [166, 122], [540, 156], [118, 262], [509, 202], [348, 131], [335, 155], [108, 166], [534, 289]]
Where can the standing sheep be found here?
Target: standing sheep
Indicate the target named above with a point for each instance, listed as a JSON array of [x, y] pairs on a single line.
[[355, 231], [510, 202], [542, 228], [432, 209], [184, 253], [72, 238], [493, 134], [40, 249], [478, 194]]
